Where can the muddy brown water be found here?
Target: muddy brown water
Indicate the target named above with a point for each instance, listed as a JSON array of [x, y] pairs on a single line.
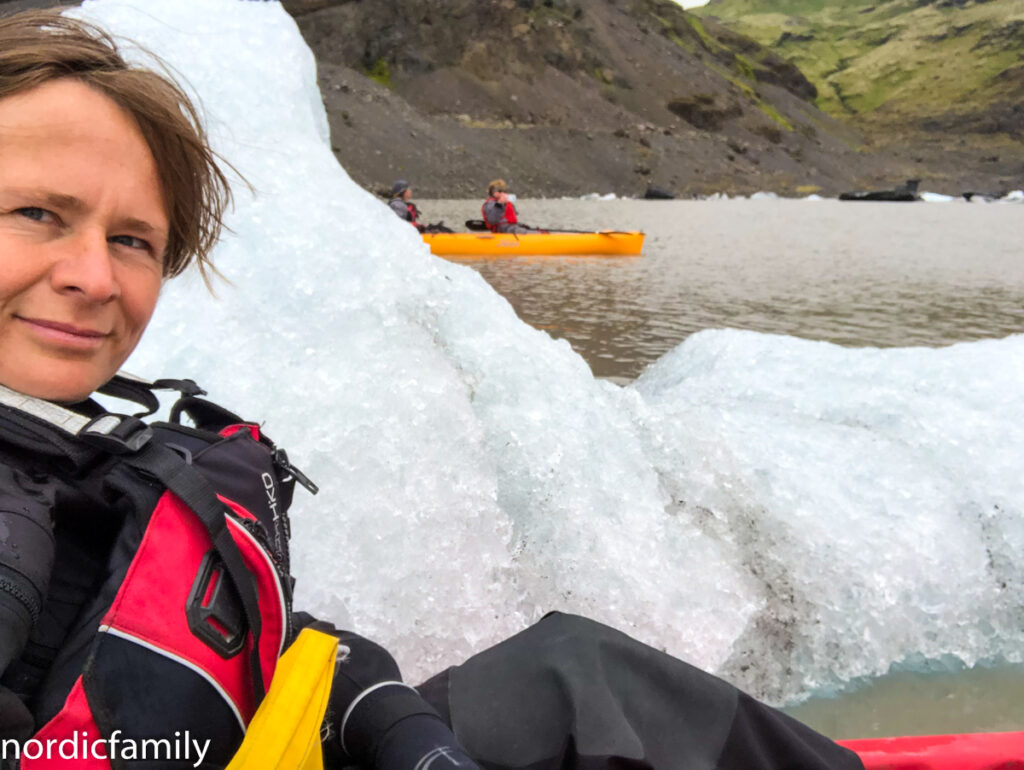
[[857, 274]]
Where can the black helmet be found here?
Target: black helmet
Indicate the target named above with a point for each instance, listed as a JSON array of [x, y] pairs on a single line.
[[399, 187]]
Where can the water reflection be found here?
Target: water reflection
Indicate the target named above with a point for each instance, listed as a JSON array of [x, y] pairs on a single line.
[[980, 700]]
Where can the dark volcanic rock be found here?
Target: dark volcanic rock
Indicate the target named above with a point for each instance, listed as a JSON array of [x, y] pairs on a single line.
[[906, 192], [653, 193], [703, 111]]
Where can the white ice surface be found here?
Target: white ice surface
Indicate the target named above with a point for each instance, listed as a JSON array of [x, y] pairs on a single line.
[[789, 513]]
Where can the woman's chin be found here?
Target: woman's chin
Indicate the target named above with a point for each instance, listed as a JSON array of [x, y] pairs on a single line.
[[64, 384]]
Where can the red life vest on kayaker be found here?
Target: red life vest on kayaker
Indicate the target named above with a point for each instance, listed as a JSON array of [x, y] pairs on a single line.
[[414, 213], [510, 217], [405, 210], [198, 609]]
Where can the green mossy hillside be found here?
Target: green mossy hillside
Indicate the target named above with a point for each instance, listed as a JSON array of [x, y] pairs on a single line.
[[893, 60]]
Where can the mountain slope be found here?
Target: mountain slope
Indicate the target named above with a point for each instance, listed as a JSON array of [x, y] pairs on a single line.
[[923, 63], [568, 97]]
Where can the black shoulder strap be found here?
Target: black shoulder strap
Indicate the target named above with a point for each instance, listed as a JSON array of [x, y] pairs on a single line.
[[205, 414], [131, 388]]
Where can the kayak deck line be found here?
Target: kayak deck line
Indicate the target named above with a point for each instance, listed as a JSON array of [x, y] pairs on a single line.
[[598, 243], [967, 751]]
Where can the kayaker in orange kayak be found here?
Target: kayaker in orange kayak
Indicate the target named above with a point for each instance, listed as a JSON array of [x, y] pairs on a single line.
[[500, 213], [401, 203]]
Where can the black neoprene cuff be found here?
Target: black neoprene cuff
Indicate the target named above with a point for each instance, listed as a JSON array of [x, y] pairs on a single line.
[[391, 727], [375, 712]]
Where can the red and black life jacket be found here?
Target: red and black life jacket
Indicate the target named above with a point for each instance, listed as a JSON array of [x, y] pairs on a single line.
[[196, 605], [414, 213], [509, 219], [406, 210]]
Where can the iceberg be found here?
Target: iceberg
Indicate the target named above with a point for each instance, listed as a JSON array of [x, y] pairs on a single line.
[[931, 197], [788, 513]]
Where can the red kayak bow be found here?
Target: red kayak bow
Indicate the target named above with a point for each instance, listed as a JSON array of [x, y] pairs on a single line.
[[974, 751]]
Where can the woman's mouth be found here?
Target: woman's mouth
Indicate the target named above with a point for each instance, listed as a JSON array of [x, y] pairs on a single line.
[[64, 334]]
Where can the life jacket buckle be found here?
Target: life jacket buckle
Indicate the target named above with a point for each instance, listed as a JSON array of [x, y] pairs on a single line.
[[280, 458], [116, 433], [213, 609]]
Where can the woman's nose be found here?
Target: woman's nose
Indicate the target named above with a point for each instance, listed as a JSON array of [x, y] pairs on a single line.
[[86, 267]]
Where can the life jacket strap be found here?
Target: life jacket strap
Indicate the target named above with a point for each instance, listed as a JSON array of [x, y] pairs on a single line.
[[47, 411], [114, 433], [140, 391], [202, 412], [111, 432]]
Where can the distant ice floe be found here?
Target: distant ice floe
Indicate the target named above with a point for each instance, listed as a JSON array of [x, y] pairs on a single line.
[[597, 197], [930, 197], [789, 513], [1017, 196]]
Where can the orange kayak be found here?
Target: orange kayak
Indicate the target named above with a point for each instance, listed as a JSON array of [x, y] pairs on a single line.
[[535, 244], [972, 751]]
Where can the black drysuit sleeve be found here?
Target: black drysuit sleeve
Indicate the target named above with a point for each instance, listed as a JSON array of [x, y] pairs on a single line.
[[374, 720], [26, 562]]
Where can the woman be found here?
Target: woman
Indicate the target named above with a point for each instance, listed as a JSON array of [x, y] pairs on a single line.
[[107, 188], [401, 203], [499, 212], [144, 588]]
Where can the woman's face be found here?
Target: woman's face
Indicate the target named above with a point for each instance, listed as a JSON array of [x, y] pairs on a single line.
[[83, 230]]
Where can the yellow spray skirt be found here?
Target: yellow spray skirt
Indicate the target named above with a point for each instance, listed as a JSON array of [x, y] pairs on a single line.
[[285, 731]]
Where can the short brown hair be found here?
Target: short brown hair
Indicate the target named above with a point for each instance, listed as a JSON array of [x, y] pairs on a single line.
[[498, 185], [40, 46]]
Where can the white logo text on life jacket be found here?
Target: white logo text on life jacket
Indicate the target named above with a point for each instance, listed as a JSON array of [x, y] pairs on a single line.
[[270, 487]]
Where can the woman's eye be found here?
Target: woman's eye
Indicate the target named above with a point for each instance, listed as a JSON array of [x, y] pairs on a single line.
[[35, 213], [131, 242]]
